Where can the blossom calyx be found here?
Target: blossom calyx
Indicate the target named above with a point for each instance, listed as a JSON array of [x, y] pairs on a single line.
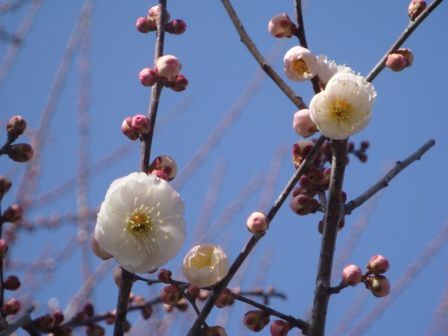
[[399, 59], [205, 265], [351, 275], [299, 64], [168, 67], [415, 8], [15, 126], [378, 264], [379, 285], [256, 320], [281, 26], [21, 152], [257, 222], [176, 27]]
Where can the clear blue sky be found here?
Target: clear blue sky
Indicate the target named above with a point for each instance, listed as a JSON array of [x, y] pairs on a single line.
[[410, 109]]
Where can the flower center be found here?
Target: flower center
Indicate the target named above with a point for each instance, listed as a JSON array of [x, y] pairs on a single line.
[[340, 110], [139, 223], [299, 65], [203, 258]]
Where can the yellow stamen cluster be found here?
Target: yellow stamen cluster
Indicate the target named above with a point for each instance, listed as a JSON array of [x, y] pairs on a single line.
[[299, 66], [340, 110]]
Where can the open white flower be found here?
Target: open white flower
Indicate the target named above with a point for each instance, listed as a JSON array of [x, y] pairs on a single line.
[[140, 222], [327, 68], [344, 107], [205, 265], [299, 64]]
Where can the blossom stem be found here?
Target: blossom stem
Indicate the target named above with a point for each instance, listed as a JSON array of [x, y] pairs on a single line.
[[402, 38], [127, 279], [259, 58]]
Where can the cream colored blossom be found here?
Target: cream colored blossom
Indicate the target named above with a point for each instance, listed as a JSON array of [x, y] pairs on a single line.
[[140, 222], [327, 68], [344, 107], [205, 265], [299, 64]]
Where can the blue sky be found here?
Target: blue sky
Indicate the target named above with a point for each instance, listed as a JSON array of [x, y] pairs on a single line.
[[409, 110]]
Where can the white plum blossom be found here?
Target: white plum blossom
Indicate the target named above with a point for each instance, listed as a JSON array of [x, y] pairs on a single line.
[[327, 68], [205, 265], [344, 107], [299, 64], [140, 222]]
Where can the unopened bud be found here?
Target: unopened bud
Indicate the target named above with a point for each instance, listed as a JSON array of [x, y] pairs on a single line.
[[176, 27], [11, 307], [168, 67], [21, 152], [154, 12], [144, 25], [44, 323], [128, 130], [351, 275], [170, 295], [148, 77], [213, 331], [179, 84], [279, 328], [140, 124], [415, 8], [95, 330], [257, 223], [98, 250], [165, 164], [400, 59], [193, 291], [5, 185], [302, 123], [146, 312], [256, 320], [379, 285], [226, 298], [13, 213], [3, 248], [304, 205], [281, 26], [164, 275], [16, 126], [378, 264], [11, 283]]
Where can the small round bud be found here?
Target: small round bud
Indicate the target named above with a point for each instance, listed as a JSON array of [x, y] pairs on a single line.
[[11, 283], [257, 223], [170, 295], [351, 275], [176, 27], [44, 323], [379, 285], [213, 331], [3, 248], [168, 67], [15, 126], [302, 123], [13, 213], [164, 275], [128, 130], [415, 8], [148, 77], [304, 205], [193, 291], [11, 307], [140, 124], [95, 330], [179, 84], [281, 26], [144, 25], [256, 320], [163, 164], [400, 59], [98, 250], [364, 145], [153, 14], [147, 312], [378, 264], [226, 298], [279, 328], [21, 152], [5, 185]]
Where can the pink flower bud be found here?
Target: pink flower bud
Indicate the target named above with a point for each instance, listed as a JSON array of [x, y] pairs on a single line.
[[11, 307], [176, 27], [415, 8], [5, 185], [302, 123], [140, 124], [164, 167], [11, 283], [299, 64], [379, 285], [15, 126], [351, 275], [164, 275], [144, 25], [281, 26], [154, 12], [170, 295], [21, 152], [128, 130], [256, 320], [97, 250], [378, 264], [304, 205], [400, 59], [148, 77], [168, 67], [279, 328], [226, 298], [13, 213], [3, 248], [257, 222], [179, 84]]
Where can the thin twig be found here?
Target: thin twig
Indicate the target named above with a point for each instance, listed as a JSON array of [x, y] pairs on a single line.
[[127, 279], [402, 38], [21, 321], [337, 289], [384, 182], [259, 58]]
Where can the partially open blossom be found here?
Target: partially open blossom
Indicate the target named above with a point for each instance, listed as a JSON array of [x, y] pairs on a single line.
[[205, 265], [140, 222], [256, 320], [21, 152], [165, 164], [97, 250], [170, 295], [327, 68], [299, 64], [302, 123], [176, 27], [344, 107], [257, 222], [379, 285], [351, 275], [378, 264], [168, 67], [128, 130], [179, 84], [148, 77], [415, 8], [16, 126], [281, 26], [144, 25], [399, 59], [279, 328]]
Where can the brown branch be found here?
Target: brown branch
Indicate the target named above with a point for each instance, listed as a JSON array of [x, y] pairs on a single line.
[[254, 239], [402, 38], [384, 182], [127, 279], [259, 58], [333, 215]]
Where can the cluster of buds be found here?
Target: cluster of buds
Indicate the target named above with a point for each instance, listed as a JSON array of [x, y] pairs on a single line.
[[360, 152], [163, 167], [373, 278], [149, 23], [11, 307], [415, 8], [21, 152], [399, 59], [135, 126], [51, 323], [281, 26], [256, 320], [167, 71]]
